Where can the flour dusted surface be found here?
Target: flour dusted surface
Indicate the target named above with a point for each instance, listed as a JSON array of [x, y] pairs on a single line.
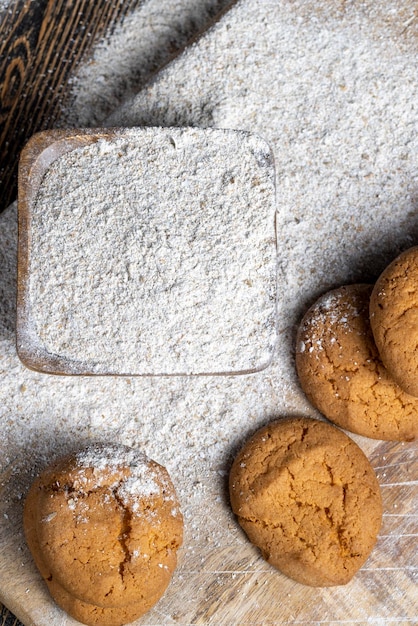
[[335, 97], [161, 254], [347, 174]]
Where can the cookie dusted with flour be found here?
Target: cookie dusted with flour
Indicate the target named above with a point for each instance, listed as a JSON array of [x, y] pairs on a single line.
[[340, 370], [104, 526], [394, 319], [307, 496]]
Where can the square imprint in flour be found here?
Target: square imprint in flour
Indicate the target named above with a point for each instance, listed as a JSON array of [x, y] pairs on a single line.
[[146, 251]]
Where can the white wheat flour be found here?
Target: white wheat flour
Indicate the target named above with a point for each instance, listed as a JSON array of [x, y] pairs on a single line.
[[333, 87], [161, 255]]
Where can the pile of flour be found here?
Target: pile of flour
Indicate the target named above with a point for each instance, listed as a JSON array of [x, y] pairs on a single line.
[[333, 88], [161, 255]]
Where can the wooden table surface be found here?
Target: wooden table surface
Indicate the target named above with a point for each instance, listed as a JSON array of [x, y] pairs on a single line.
[[7, 618], [42, 43]]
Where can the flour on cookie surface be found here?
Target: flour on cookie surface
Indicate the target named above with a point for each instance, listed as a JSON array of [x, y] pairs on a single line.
[[341, 371], [89, 517]]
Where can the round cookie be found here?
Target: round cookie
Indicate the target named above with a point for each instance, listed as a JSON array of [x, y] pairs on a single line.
[[307, 496], [103, 526], [340, 370], [394, 319]]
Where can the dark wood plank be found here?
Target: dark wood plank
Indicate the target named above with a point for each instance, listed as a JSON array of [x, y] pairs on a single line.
[[41, 45], [7, 618]]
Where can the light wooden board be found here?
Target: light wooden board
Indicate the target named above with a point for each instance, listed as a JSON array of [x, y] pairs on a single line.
[[221, 579], [231, 584]]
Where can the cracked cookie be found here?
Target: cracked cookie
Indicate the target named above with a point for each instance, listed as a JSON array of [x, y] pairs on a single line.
[[104, 526], [341, 372], [394, 319], [307, 496]]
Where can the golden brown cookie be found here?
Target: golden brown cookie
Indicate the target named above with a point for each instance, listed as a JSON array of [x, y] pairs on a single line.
[[307, 496], [394, 319], [104, 526], [342, 374]]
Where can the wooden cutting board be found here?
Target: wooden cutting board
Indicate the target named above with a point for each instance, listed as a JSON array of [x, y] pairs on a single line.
[[229, 583]]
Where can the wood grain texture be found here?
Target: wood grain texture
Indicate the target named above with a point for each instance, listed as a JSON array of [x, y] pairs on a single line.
[[229, 583], [41, 45], [7, 618]]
